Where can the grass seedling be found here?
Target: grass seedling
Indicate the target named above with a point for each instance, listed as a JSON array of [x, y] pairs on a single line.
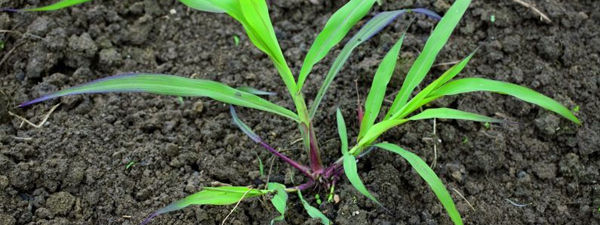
[[254, 18]]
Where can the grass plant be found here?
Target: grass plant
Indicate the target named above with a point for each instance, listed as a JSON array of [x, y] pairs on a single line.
[[254, 18]]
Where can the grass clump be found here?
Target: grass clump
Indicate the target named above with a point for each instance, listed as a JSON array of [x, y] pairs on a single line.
[[254, 18]]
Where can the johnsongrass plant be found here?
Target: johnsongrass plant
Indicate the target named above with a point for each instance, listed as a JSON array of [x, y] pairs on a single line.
[[254, 18]]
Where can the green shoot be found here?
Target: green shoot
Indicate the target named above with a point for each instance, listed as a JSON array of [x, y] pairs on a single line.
[[130, 164], [236, 40], [318, 199]]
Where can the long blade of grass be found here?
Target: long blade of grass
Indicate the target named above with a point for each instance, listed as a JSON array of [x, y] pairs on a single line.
[[370, 29], [425, 60], [312, 211], [279, 200], [56, 6], [430, 178], [376, 130], [349, 163], [481, 84], [225, 195], [172, 85], [420, 98], [378, 87], [446, 113], [334, 31]]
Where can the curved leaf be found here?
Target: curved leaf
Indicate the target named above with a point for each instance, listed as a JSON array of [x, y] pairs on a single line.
[[430, 178], [225, 195], [481, 84], [334, 31], [425, 60], [446, 113], [420, 99], [279, 200], [312, 211], [56, 6], [172, 85], [204, 5]]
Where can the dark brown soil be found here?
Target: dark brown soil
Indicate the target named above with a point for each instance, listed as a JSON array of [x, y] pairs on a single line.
[[74, 169]]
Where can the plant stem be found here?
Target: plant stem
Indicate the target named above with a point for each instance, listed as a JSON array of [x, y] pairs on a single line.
[[315, 158], [292, 163]]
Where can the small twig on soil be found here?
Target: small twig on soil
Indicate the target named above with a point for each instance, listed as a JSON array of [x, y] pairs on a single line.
[[270, 168], [236, 205], [434, 145], [22, 138], [517, 204], [22, 34], [446, 63], [9, 53], [543, 16], [43, 120], [463, 197]]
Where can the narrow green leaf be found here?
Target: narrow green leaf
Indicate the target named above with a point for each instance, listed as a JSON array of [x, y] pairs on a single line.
[[56, 6], [334, 31], [225, 195], [425, 60], [430, 178], [204, 5], [173, 85], [371, 28], [342, 131], [420, 98], [279, 200], [379, 128], [312, 211], [379, 86], [446, 113], [481, 84]]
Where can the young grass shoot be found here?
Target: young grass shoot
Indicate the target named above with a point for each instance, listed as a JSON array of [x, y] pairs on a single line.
[[254, 18]]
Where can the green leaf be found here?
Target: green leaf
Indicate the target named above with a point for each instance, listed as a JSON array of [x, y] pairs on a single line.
[[56, 6], [334, 31], [446, 113], [225, 195], [425, 60], [204, 5], [379, 128], [420, 99], [312, 211], [430, 178], [481, 84], [173, 85], [342, 131], [377, 92], [279, 200]]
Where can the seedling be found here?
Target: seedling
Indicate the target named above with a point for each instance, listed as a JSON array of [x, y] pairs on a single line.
[[253, 15]]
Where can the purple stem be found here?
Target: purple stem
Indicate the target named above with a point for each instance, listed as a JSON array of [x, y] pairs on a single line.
[[315, 158], [9, 10], [292, 163], [305, 186]]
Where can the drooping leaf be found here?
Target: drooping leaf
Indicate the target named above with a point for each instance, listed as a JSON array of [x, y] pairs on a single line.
[[225, 195], [430, 178], [255, 91], [379, 86], [372, 27], [312, 211], [481, 84], [425, 60], [420, 99], [446, 113], [351, 171], [172, 85], [58, 5], [279, 200], [238, 122], [334, 31], [204, 5]]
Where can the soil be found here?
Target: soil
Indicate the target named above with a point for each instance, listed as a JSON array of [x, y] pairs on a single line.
[[115, 158]]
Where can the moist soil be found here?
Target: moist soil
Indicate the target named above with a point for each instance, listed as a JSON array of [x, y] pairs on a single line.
[[115, 158]]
